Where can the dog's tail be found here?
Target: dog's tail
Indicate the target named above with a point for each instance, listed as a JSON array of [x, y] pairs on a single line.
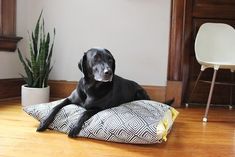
[[169, 102]]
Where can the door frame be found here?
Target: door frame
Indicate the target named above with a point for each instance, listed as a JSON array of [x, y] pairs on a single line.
[[178, 59]]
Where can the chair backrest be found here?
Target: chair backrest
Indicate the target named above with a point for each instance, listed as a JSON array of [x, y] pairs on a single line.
[[215, 42]]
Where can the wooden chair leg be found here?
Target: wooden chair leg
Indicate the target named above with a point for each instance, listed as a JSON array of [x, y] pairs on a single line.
[[194, 87], [210, 96]]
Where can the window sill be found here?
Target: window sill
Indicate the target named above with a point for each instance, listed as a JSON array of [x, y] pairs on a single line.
[[9, 43]]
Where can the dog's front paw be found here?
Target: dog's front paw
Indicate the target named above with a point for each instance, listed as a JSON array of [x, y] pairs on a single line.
[[73, 132], [42, 127]]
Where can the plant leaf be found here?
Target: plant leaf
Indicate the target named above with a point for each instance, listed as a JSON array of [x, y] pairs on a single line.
[[36, 83], [25, 79], [36, 34], [27, 69], [28, 63]]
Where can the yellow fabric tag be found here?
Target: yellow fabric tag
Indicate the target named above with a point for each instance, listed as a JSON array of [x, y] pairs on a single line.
[[175, 113]]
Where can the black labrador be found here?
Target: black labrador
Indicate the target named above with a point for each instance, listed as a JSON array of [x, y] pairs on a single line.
[[99, 89]]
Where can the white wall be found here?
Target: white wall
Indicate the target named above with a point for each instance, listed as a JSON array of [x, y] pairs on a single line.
[[135, 31]]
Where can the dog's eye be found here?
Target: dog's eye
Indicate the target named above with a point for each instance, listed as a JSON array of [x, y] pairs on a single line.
[[110, 60], [97, 57]]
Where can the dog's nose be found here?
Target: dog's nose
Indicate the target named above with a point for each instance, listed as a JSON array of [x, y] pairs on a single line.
[[107, 71]]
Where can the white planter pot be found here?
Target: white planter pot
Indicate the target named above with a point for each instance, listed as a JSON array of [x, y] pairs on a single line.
[[30, 96]]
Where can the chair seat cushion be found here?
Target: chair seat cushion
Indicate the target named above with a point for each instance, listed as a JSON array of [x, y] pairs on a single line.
[[137, 122]]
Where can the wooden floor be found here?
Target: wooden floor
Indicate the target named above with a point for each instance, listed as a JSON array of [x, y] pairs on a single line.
[[189, 137]]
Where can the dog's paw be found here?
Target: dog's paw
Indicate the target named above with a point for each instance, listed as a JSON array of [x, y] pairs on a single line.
[[73, 132], [42, 127]]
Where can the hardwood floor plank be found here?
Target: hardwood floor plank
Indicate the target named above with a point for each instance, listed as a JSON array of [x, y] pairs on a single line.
[[189, 137]]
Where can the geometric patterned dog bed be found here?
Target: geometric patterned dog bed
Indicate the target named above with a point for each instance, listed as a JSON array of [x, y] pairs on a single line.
[[137, 122]]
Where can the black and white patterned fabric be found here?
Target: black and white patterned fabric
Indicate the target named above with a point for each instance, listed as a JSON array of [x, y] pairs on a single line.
[[138, 122]]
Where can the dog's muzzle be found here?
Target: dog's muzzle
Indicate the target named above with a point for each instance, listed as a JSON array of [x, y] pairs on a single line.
[[103, 74]]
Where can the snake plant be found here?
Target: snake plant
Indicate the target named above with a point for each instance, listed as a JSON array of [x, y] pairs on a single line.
[[38, 65]]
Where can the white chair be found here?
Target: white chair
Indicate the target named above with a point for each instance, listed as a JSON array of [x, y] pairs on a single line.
[[215, 48]]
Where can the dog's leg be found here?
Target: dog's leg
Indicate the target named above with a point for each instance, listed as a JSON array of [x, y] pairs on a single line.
[[141, 94], [44, 124], [87, 115]]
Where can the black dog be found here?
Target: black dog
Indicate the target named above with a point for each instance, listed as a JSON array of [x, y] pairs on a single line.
[[98, 90]]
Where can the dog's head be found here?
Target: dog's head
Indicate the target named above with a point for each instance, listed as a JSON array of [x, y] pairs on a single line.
[[97, 64]]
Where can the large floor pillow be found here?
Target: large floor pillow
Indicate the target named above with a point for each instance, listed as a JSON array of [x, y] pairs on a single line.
[[137, 122]]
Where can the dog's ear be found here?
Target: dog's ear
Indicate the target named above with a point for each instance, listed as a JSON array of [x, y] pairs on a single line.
[[82, 65], [114, 64]]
